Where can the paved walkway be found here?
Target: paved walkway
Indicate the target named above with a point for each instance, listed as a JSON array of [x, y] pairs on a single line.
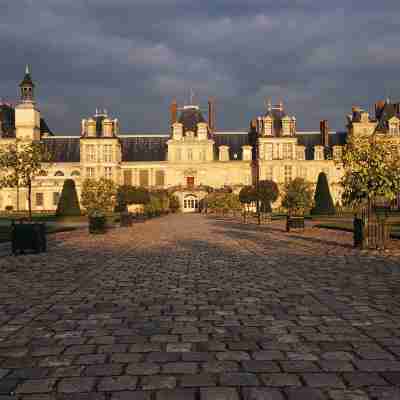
[[194, 307]]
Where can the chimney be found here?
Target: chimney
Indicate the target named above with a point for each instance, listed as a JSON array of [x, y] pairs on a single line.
[[174, 111], [324, 129], [379, 106], [211, 115]]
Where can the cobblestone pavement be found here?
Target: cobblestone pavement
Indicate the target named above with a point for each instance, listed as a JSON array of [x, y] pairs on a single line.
[[199, 308]]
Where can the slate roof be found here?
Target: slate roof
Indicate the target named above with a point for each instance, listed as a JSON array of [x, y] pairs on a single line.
[[311, 139], [7, 118], [389, 110], [235, 141], [144, 148], [63, 149]]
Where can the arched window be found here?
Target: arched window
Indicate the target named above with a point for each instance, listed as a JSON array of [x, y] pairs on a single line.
[[59, 173], [75, 173]]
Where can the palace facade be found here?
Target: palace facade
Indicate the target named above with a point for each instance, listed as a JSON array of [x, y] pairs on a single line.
[[192, 156]]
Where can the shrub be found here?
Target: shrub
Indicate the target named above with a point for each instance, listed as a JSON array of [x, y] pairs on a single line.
[[267, 193], [323, 203], [68, 204], [247, 195], [297, 194], [98, 196], [174, 205], [127, 195]]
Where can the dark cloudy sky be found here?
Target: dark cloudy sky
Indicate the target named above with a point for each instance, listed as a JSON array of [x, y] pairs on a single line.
[[133, 56]]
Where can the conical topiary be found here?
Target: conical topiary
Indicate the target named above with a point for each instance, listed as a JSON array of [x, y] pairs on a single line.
[[323, 203], [68, 204]]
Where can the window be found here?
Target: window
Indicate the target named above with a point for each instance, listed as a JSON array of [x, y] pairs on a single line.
[[90, 152], [287, 150], [59, 173], [107, 153], [144, 177], [128, 177], [190, 180], [39, 199], [269, 151], [108, 172], [160, 178], [56, 198], [394, 129], [269, 173], [75, 173], [302, 173], [90, 172], [190, 154], [300, 153], [288, 173], [202, 155], [178, 154]]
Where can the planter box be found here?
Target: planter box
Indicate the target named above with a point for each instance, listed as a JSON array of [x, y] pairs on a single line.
[[97, 225], [28, 236], [294, 222]]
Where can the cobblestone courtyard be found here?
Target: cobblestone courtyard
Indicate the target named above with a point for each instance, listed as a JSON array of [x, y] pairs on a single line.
[[198, 308]]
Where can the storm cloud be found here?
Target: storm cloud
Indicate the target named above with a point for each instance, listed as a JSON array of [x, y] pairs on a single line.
[[133, 57]]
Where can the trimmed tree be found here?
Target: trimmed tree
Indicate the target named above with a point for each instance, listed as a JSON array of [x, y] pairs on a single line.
[[297, 195], [323, 203], [267, 193], [68, 204], [371, 170], [98, 196]]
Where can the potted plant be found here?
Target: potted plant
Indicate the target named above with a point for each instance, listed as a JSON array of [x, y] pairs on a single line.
[[98, 198], [97, 222], [297, 197]]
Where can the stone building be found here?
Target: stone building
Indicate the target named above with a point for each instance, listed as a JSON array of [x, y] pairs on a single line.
[[188, 159]]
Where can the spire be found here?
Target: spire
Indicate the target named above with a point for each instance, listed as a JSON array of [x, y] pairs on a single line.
[[27, 70]]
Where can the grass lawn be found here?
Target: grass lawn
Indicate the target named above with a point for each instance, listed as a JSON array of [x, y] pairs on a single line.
[[345, 223]]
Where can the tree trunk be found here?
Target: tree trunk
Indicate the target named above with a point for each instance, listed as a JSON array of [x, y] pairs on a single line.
[[30, 200], [17, 197]]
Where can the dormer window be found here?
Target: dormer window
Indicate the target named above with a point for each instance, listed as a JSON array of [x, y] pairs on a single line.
[[394, 126]]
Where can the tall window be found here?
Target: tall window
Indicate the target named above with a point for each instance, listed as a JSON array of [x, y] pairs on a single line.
[[269, 151], [269, 173], [90, 172], [39, 199], [91, 152], [190, 154], [302, 173], [144, 177], [56, 198], [288, 173], [287, 150], [202, 155], [128, 177], [178, 154], [108, 172], [107, 153], [160, 175]]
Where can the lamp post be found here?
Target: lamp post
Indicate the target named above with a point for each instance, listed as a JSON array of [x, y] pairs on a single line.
[[257, 169]]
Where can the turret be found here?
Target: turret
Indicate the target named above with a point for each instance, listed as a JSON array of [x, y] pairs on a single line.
[[27, 116], [27, 87]]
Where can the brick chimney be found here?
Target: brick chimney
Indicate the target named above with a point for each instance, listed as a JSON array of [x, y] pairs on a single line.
[[211, 115], [379, 106], [324, 129], [173, 111]]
